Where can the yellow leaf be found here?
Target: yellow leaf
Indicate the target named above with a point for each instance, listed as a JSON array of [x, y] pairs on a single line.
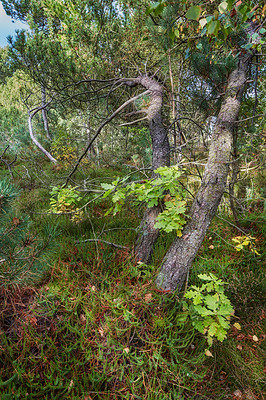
[[208, 353], [237, 326]]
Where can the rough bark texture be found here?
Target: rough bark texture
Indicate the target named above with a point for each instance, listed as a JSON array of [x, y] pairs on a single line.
[[160, 157], [181, 254]]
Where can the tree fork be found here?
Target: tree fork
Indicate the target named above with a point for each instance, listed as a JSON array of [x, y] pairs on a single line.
[[160, 157], [180, 256]]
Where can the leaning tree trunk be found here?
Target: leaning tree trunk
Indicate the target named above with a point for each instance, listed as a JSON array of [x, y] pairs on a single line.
[[160, 157], [181, 254]]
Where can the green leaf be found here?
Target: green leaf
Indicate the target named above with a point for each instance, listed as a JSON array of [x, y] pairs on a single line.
[[221, 334], [262, 31], [197, 299], [223, 322], [193, 13], [211, 302], [203, 311], [205, 277], [107, 186], [199, 326], [225, 309], [213, 329], [213, 27], [223, 7]]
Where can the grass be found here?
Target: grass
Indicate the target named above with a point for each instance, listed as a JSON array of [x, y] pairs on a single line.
[[94, 326]]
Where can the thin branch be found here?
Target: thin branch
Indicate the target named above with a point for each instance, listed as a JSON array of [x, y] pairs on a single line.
[[99, 131], [134, 122], [104, 241], [8, 164]]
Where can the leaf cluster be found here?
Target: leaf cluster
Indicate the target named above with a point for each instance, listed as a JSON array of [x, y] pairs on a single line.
[[165, 188], [66, 200], [209, 308], [242, 242]]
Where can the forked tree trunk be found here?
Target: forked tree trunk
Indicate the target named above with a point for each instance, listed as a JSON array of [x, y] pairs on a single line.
[[181, 254], [160, 157]]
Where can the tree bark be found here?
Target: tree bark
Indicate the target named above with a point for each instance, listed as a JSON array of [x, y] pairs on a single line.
[[160, 157], [181, 254]]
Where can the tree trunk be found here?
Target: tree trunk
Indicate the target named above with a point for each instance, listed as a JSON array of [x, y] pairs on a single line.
[[160, 157], [181, 254]]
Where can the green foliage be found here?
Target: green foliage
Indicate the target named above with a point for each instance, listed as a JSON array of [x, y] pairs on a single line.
[[173, 216], [209, 308], [66, 200], [62, 147], [218, 22], [24, 255], [153, 192]]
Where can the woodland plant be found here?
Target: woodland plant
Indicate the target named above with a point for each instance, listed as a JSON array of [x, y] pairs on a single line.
[[24, 254], [164, 190], [209, 308], [65, 200]]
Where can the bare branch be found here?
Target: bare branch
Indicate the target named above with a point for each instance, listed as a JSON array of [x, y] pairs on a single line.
[[104, 241], [8, 164], [100, 128], [133, 122]]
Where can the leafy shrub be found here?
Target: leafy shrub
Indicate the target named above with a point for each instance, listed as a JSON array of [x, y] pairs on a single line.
[[209, 308]]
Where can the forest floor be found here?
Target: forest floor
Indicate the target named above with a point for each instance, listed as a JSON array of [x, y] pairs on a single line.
[[91, 324]]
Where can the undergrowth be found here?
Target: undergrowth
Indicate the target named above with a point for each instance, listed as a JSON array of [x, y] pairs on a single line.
[[96, 327]]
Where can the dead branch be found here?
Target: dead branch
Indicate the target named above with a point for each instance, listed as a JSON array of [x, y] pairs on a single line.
[[112, 116]]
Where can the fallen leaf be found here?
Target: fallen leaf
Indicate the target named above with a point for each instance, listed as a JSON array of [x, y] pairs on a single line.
[[148, 297], [237, 326], [208, 353], [126, 350], [70, 385], [241, 336], [237, 394], [255, 338], [82, 319], [16, 221], [211, 247], [239, 347], [101, 332]]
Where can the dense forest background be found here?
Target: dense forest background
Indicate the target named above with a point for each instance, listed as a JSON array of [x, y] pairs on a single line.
[[132, 200]]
